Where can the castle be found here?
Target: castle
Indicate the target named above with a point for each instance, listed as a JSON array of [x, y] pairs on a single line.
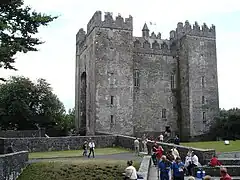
[[129, 85]]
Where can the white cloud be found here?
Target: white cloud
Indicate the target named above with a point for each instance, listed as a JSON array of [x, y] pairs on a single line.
[[56, 59]]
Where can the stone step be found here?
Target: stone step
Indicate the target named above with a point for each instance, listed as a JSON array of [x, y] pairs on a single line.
[[233, 170], [228, 161]]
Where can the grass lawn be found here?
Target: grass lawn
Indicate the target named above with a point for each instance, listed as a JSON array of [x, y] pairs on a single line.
[[72, 153], [76, 170], [217, 145]]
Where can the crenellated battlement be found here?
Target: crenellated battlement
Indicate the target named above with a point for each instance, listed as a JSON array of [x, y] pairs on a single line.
[[80, 36], [194, 30], [109, 22]]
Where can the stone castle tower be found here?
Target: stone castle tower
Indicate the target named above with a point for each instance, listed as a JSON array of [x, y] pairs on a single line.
[[130, 85]]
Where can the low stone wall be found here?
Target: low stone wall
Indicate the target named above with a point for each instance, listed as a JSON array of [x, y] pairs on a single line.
[[229, 155], [214, 171], [41, 144], [21, 134], [145, 167], [227, 161], [12, 164]]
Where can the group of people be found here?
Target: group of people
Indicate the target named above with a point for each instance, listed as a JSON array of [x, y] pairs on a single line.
[[90, 146]]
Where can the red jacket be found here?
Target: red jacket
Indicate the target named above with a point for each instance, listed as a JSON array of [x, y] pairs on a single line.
[[227, 177], [159, 152], [215, 162]]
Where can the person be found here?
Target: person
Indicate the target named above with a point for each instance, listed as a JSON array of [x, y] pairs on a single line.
[[207, 177], [178, 169], [144, 142], [136, 146], [130, 172], [224, 175], [91, 148], [176, 140], [160, 138], [193, 163], [214, 161], [175, 152], [159, 152], [149, 147], [85, 148], [170, 156], [189, 153], [164, 167]]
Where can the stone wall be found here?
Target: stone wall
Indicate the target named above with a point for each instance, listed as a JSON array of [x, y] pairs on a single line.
[[12, 164], [41, 144], [24, 133]]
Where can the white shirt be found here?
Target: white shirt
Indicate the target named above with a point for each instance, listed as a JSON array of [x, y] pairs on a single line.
[[91, 145], [161, 137], [136, 143], [131, 172], [175, 153], [195, 160], [188, 159]]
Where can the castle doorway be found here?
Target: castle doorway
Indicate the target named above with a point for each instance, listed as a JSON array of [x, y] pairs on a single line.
[[83, 101]]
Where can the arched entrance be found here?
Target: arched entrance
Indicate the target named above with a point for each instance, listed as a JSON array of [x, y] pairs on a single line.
[[83, 104]]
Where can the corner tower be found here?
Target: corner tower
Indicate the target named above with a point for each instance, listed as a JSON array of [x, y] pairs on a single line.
[[105, 55], [195, 51]]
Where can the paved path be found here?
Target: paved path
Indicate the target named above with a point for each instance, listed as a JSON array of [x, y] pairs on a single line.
[[119, 156]]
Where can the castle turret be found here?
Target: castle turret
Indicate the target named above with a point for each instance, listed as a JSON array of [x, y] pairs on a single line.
[[145, 31]]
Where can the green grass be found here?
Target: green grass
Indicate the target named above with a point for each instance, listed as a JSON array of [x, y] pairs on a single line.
[[75, 170], [217, 145], [73, 153]]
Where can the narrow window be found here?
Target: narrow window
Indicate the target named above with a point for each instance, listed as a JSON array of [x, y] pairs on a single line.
[[203, 100], [204, 117], [203, 81], [136, 78], [163, 113], [111, 79], [112, 100], [111, 119], [172, 81]]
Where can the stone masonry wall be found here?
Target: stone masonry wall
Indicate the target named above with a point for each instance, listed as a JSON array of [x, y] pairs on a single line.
[[25, 133], [12, 164], [56, 143]]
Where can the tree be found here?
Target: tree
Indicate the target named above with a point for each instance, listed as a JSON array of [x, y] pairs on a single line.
[[18, 25], [25, 105]]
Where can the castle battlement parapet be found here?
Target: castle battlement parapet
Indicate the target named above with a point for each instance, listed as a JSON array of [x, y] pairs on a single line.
[[109, 22], [195, 30], [81, 36]]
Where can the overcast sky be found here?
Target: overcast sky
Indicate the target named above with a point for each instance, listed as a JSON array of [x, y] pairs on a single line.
[[55, 60]]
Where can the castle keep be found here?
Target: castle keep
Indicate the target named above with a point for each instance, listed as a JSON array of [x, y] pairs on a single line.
[[127, 85]]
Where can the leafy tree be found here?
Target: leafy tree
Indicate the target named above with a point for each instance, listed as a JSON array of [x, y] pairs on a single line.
[[18, 25], [26, 105]]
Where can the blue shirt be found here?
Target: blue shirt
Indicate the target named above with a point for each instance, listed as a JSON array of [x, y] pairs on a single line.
[[164, 167], [177, 169]]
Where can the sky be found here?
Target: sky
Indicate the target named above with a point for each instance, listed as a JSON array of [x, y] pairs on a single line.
[[55, 60]]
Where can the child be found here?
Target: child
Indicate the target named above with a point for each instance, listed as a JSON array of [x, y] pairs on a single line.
[[85, 148]]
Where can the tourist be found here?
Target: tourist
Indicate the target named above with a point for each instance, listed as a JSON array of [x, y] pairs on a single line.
[[85, 148], [130, 172], [178, 169], [170, 156], [176, 140], [144, 142], [149, 147], [159, 152], [160, 138], [207, 177], [214, 161], [91, 148], [164, 167], [193, 163], [189, 153], [175, 152], [136, 146], [224, 175]]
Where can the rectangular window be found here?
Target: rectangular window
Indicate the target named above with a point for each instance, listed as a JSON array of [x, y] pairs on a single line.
[[111, 119], [204, 117], [164, 113], [203, 100], [136, 78], [111, 79], [172, 81], [112, 100], [203, 81]]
